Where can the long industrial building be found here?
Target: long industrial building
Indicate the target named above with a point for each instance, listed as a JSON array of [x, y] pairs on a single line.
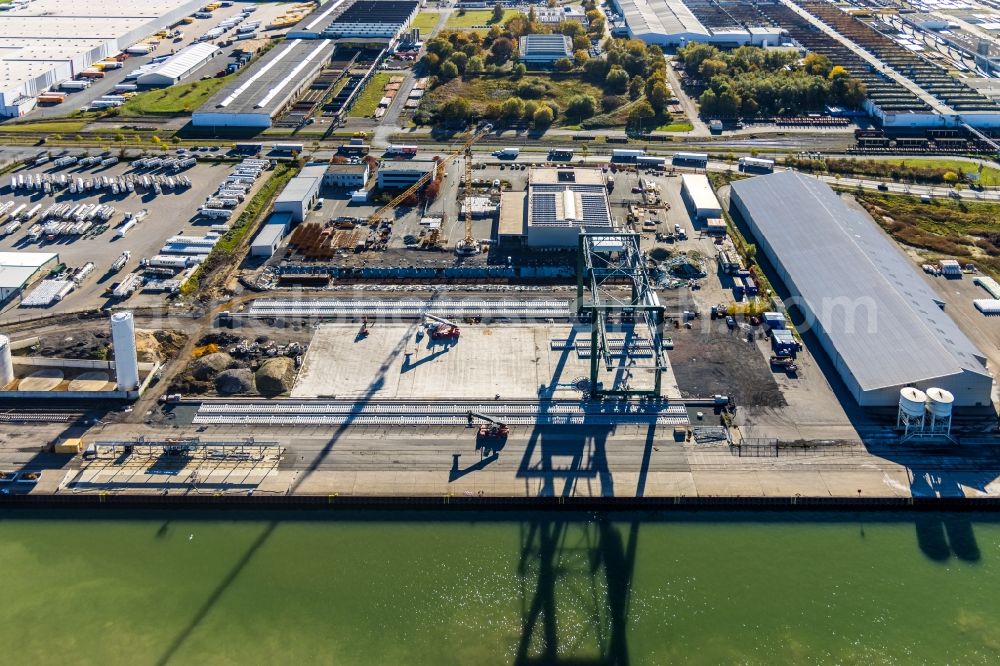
[[179, 66], [43, 42], [260, 94], [876, 317], [673, 23]]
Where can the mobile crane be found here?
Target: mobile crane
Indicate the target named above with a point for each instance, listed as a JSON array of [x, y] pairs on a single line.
[[492, 429], [443, 329]]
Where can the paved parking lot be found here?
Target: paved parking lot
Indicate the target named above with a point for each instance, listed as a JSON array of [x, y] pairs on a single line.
[[169, 214]]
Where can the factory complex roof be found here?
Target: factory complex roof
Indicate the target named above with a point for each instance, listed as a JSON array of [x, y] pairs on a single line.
[[377, 11], [665, 17], [263, 89], [879, 313], [567, 196]]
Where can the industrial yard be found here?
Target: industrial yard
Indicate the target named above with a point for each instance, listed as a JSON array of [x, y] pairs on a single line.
[[326, 275], [131, 227]]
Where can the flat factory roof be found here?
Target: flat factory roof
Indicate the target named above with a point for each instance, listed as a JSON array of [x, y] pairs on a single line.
[[877, 311], [394, 12], [16, 268], [567, 197], [513, 214], [269, 235], [660, 17], [700, 190], [264, 88]]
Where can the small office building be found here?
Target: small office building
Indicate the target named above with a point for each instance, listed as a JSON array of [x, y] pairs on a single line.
[[347, 175], [301, 193]]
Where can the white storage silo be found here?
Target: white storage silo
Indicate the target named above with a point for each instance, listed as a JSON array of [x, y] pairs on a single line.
[[910, 418], [939, 406], [126, 360], [6, 363]]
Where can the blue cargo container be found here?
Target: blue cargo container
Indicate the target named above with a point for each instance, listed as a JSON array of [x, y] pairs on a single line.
[[782, 342], [774, 320]]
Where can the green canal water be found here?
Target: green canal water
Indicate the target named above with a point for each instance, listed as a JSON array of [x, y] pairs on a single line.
[[373, 588]]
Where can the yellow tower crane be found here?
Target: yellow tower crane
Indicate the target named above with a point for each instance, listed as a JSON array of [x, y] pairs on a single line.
[[466, 149]]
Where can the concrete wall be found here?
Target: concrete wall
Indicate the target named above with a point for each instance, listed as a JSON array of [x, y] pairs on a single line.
[[215, 119]]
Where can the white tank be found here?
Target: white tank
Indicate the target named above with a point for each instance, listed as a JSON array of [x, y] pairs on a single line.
[[939, 402], [126, 361], [911, 401], [6, 364]]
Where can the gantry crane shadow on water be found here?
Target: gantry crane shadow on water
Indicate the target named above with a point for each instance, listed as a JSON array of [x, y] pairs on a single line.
[[581, 566]]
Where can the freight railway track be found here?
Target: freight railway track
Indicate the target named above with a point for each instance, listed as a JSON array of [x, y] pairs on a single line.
[[263, 308], [449, 413]]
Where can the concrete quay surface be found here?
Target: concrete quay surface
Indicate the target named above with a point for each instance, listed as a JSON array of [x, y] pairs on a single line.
[[572, 462]]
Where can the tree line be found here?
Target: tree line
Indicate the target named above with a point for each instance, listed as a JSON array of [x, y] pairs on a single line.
[[750, 81]]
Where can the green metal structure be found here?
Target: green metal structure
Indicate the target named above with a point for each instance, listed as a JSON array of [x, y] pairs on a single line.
[[609, 266]]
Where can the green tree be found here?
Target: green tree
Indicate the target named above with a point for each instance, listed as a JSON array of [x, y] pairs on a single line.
[[581, 107], [474, 67], [595, 69], [658, 96], [712, 67], [580, 57], [512, 108], [543, 116], [640, 112], [572, 29], [616, 80], [448, 70], [563, 65], [502, 49], [817, 64], [497, 13], [519, 70], [432, 62], [455, 109], [636, 86], [694, 54]]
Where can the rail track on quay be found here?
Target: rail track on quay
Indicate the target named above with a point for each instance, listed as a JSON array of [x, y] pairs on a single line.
[[439, 412]]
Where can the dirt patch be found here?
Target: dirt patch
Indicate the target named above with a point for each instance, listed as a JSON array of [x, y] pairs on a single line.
[[713, 362]]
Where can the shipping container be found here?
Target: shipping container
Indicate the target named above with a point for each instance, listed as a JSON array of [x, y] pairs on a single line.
[[756, 165], [691, 159], [626, 154]]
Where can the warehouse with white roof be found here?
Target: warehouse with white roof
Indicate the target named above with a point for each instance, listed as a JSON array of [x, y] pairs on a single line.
[[20, 269], [876, 317], [179, 66], [699, 196], [44, 42], [261, 93], [672, 23]]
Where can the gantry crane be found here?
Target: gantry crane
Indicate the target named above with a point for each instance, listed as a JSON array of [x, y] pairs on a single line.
[[466, 150]]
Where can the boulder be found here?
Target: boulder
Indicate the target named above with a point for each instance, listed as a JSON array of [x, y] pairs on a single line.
[[275, 376], [238, 380]]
